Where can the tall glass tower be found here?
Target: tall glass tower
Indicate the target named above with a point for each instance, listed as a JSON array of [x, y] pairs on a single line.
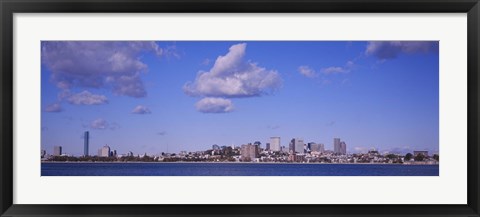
[[85, 143], [336, 145]]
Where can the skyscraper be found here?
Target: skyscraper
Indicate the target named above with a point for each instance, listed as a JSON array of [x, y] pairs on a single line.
[[343, 148], [57, 150], [85, 143], [339, 147], [105, 151], [336, 145], [275, 144], [317, 147], [297, 146], [321, 148]]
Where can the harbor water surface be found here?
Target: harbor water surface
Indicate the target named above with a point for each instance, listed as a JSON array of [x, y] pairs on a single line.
[[235, 169]]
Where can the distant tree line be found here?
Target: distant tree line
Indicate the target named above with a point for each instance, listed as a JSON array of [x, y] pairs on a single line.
[[101, 159], [420, 157]]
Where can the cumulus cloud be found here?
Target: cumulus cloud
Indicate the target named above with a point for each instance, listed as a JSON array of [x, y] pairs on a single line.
[[102, 124], [55, 107], [232, 76], [391, 49], [128, 86], [307, 71], [141, 110], [85, 98], [214, 105], [114, 65], [339, 69], [99, 124], [335, 70]]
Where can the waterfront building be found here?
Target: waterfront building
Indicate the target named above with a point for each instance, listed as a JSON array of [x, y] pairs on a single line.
[[257, 143], [275, 144], [215, 147], [317, 147], [297, 146], [336, 145], [43, 153], [57, 150], [104, 151], [321, 148], [308, 146], [249, 152], [296, 158], [85, 143], [339, 147], [343, 148], [267, 146], [311, 146]]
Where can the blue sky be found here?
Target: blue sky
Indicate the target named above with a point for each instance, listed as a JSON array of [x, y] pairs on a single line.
[[146, 96]]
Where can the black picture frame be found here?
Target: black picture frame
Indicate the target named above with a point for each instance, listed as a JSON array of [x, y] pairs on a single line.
[[9, 7]]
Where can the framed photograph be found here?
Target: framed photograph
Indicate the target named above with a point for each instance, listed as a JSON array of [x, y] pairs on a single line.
[[231, 108]]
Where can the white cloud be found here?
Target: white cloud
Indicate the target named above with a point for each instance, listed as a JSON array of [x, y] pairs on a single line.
[[55, 107], [140, 109], [114, 65], [307, 71], [391, 49], [339, 69], [102, 124], [214, 105], [335, 70], [86, 98], [99, 124], [231, 76], [350, 64]]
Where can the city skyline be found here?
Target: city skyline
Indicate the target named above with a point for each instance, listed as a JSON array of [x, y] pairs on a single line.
[[264, 146], [338, 147], [150, 97]]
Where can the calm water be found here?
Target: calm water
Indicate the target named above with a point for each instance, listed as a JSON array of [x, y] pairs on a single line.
[[234, 169]]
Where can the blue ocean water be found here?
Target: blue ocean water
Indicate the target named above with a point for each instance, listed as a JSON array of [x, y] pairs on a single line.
[[235, 169]]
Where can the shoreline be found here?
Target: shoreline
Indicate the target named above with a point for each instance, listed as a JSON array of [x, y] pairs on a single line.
[[184, 162]]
